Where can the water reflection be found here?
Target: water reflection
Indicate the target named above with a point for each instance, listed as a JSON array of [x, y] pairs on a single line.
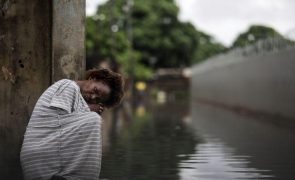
[[215, 160], [240, 147], [175, 141], [152, 146]]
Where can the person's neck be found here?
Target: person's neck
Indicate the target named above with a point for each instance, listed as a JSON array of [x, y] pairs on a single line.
[[80, 83]]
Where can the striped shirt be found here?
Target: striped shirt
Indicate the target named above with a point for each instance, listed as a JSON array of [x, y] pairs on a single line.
[[63, 136]]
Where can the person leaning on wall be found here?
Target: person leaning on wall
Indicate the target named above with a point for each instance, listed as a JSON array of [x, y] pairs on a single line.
[[63, 137]]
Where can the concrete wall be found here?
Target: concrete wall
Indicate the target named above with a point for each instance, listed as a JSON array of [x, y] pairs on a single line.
[[40, 42], [261, 82], [68, 34]]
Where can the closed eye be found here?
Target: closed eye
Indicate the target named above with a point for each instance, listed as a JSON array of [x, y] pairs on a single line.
[[96, 90]]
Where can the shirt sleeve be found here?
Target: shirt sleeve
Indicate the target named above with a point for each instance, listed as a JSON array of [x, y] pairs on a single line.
[[65, 97]]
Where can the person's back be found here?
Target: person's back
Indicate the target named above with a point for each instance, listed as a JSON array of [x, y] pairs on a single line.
[[62, 137]]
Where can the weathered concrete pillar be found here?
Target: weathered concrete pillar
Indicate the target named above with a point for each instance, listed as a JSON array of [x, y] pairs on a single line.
[[40, 42], [68, 31]]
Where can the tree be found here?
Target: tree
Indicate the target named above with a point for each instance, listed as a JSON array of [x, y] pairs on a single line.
[[254, 34], [106, 39], [163, 40], [207, 47], [159, 39]]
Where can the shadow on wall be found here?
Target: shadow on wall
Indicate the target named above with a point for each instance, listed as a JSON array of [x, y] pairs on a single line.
[[9, 154]]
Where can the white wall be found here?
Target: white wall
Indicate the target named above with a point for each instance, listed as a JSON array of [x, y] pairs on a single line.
[[264, 82]]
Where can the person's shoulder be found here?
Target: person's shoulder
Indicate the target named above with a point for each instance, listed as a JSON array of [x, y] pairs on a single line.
[[62, 81], [66, 84]]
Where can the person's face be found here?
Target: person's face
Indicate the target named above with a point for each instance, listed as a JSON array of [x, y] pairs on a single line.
[[95, 92]]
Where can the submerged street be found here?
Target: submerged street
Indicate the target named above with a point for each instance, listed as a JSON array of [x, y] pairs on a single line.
[[187, 140]]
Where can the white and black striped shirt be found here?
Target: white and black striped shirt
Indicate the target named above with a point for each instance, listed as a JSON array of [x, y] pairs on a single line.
[[63, 136]]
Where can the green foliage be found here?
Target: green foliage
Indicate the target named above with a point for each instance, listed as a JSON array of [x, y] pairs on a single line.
[[207, 47], [159, 39], [254, 34], [106, 40]]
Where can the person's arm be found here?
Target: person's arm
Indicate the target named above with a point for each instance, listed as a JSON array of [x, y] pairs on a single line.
[[65, 97], [99, 108]]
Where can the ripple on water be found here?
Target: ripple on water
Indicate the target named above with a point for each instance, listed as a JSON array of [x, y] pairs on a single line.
[[213, 159]]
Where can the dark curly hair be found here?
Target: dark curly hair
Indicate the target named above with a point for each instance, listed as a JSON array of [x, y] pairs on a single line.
[[114, 80]]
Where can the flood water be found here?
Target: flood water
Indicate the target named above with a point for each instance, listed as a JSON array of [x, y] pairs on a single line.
[[187, 140]]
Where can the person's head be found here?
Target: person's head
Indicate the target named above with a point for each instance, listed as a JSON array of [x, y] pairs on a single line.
[[103, 86]]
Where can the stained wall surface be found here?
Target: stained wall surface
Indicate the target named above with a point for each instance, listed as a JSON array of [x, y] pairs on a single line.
[[40, 42]]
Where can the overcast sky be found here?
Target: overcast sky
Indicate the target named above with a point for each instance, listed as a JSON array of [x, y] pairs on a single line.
[[225, 19]]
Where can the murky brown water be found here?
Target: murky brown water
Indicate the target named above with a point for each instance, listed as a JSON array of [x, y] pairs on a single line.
[[175, 141]]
